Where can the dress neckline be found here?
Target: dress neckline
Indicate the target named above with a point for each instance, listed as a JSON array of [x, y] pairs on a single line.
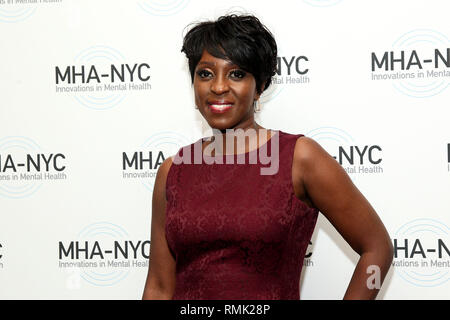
[[244, 153]]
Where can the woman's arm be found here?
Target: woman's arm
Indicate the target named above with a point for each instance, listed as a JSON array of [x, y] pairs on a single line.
[[160, 283], [331, 191]]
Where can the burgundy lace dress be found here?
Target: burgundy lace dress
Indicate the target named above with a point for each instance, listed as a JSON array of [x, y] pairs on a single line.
[[235, 233]]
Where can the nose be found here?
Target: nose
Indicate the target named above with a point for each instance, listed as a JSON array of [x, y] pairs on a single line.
[[219, 85]]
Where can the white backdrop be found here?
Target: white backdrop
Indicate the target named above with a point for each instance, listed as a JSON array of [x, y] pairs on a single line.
[[94, 94]]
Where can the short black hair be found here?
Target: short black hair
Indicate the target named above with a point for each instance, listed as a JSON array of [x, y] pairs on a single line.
[[241, 39]]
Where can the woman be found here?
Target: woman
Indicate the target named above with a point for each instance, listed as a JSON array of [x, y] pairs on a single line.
[[226, 231]]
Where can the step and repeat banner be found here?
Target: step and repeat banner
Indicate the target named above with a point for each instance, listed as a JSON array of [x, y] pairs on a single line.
[[94, 95]]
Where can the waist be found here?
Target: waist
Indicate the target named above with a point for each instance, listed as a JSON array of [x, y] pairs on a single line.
[[235, 285]]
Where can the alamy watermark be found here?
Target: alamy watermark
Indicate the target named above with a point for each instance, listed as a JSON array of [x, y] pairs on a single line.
[[374, 280], [234, 139]]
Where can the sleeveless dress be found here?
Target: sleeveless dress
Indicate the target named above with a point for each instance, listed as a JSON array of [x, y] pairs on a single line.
[[235, 233]]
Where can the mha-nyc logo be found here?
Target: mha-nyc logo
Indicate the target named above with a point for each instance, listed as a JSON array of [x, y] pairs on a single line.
[[100, 77], [142, 164], [291, 70], [422, 252], [355, 158], [102, 255], [25, 167], [418, 64]]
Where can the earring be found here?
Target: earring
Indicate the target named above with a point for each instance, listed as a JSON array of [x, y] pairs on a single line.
[[256, 105], [195, 107]]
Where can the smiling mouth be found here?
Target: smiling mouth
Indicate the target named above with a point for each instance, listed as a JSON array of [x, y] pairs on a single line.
[[219, 108]]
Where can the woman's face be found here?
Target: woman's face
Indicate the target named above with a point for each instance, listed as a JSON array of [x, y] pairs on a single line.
[[224, 93]]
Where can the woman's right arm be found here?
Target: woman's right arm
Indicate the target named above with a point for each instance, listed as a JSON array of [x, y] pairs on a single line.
[[160, 283]]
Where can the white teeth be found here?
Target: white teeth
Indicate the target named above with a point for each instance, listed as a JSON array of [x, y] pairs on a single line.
[[220, 106]]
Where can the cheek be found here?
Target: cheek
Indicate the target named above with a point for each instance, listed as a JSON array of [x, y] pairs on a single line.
[[247, 92], [198, 92]]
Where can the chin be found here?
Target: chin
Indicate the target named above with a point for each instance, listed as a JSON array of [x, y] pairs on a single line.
[[221, 125]]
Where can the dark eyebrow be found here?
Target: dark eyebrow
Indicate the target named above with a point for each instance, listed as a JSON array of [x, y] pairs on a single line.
[[212, 64]]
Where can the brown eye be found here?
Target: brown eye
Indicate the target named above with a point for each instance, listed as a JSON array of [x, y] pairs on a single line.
[[238, 74], [203, 74]]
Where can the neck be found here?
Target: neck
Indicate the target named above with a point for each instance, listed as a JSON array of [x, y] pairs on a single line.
[[244, 137]]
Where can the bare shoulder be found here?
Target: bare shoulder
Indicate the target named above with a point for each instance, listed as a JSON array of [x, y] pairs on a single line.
[[307, 152], [161, 177], [165, 166]]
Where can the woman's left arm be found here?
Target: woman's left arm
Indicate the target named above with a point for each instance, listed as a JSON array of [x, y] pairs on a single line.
[[332, 191]]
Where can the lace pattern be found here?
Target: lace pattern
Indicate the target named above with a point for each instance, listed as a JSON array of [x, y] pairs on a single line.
[[236, 234]]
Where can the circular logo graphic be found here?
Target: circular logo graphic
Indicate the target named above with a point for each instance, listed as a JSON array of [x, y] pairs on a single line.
[[355, 158], [292, 71], [162, 7], [166, 143], [10, 13], [423, 243], [104, 234], [102, 57], [424, 42], [271, 93], [330, 137], [13, 154]]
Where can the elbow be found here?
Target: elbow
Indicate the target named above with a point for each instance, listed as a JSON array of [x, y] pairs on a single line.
[[153, 294], [384, 251], [158, 290]]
